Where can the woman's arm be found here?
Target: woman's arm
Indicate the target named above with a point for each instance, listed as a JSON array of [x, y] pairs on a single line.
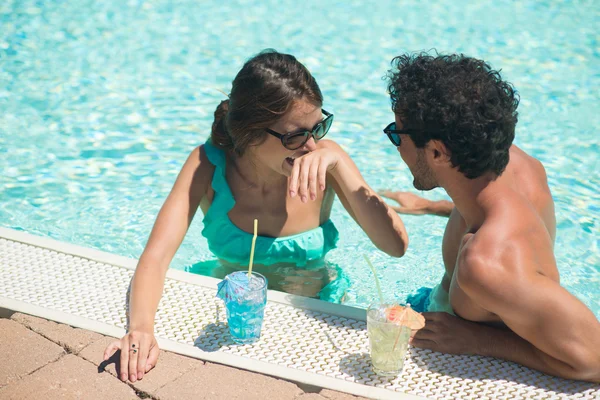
[[382, 224], [168, 232]]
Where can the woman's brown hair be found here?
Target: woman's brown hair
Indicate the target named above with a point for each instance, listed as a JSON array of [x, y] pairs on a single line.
[[262, 92]]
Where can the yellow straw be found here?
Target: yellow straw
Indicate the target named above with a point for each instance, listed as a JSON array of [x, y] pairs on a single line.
[[252, 248], [376, 278]]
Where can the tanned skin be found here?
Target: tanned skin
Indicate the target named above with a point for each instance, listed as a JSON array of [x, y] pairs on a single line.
[[500, 269]]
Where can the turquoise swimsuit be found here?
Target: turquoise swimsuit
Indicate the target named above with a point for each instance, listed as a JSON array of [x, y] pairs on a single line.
[[231, 244], [430, 300]]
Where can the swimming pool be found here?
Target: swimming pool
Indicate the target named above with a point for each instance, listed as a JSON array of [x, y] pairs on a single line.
[[101, 102]]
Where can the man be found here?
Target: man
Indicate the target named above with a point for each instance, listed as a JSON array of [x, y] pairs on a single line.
[[454, 128]]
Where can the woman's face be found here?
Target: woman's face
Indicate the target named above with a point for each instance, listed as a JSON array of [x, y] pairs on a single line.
[[302, 116]]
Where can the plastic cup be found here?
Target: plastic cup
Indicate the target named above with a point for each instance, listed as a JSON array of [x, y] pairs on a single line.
[[246, 306], [388, 341]]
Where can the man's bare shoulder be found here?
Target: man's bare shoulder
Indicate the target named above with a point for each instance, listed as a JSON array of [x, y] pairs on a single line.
[[506, 247], [518, 154], [528, 170]]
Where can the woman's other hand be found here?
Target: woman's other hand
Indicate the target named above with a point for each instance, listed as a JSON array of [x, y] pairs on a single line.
[[139, 354]]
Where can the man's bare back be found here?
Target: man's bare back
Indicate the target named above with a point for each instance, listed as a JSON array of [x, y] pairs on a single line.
[[508, 254], [455, 121], [524, 181]]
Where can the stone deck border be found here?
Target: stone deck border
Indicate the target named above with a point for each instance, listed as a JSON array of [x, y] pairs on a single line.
[[47, 360]]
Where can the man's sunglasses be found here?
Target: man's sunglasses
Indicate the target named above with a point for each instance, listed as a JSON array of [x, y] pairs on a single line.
[[394, 134], [293, 141]]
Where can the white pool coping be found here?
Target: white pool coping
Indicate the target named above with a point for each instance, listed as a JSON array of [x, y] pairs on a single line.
[[307, 357]]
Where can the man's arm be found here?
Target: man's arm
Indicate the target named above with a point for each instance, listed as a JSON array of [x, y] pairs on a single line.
[[453, 335], [416, 205], [559, 334]]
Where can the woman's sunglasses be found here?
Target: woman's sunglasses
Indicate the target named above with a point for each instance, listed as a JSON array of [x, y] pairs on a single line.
[[394, 134], [293, 141]]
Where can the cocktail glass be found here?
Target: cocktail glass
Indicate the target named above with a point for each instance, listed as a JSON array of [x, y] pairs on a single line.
[[388, 340], [245, 299]]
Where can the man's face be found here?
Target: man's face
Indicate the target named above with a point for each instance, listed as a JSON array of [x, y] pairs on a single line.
[[416, 160]]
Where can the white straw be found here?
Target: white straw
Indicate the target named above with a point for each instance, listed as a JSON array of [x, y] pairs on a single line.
[[376, 278]]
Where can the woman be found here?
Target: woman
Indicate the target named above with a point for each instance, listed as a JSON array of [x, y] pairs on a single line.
[[265, 159]]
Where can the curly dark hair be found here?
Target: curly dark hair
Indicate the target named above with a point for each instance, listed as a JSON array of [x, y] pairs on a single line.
[[460, 101]]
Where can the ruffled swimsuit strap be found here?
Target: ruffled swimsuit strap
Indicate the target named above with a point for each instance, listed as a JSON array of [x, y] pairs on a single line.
[[223, 201]]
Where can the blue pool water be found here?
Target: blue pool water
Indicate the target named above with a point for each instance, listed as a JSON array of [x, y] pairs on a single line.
[[101, 101]]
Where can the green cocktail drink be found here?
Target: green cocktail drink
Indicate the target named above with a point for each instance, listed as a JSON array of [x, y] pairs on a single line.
[[388, 338]]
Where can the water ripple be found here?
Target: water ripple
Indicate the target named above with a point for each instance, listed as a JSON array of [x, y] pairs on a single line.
[[101, 101]]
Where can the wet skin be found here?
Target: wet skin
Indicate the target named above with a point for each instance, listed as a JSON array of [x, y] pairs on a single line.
[[500, 270], [288, 191]]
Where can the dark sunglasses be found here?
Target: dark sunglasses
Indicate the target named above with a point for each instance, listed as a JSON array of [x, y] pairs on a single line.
[[394, 134], [293, 141]]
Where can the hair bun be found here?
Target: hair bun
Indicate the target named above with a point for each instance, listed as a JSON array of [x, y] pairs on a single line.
[[222, 109], [220, 135]]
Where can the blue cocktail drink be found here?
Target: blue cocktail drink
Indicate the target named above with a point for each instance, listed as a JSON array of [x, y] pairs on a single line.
[[245, 300]]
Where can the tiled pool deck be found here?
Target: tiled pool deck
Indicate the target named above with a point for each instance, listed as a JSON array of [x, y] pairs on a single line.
[[322, 347], [43, 359]]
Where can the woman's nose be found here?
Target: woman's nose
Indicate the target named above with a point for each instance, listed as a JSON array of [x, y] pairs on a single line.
[[311, 145]]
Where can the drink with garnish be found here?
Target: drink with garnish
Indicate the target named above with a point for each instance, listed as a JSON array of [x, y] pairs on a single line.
[[389, 328], [245, 299]]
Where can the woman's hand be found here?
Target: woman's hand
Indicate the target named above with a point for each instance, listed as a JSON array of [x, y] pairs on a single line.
[[139, 354], [309, 173]]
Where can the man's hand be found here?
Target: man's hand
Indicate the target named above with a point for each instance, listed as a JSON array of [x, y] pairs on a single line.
[[448, 334], [453, 335], [416, 205]]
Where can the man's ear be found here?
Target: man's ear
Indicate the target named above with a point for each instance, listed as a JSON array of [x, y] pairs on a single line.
[[438, 152]]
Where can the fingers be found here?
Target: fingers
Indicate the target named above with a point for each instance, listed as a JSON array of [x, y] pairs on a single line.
[[134, 349], [293, 179], [152, 356], [142, 358], [424, 344], [391, 195], [124, 359], [313, 180], [425, 334], [434, 315], [139, 354], [386, 193], [303, 178], [413, 332], [309, 175], [111, 349], [322, 175], [435, 318]]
